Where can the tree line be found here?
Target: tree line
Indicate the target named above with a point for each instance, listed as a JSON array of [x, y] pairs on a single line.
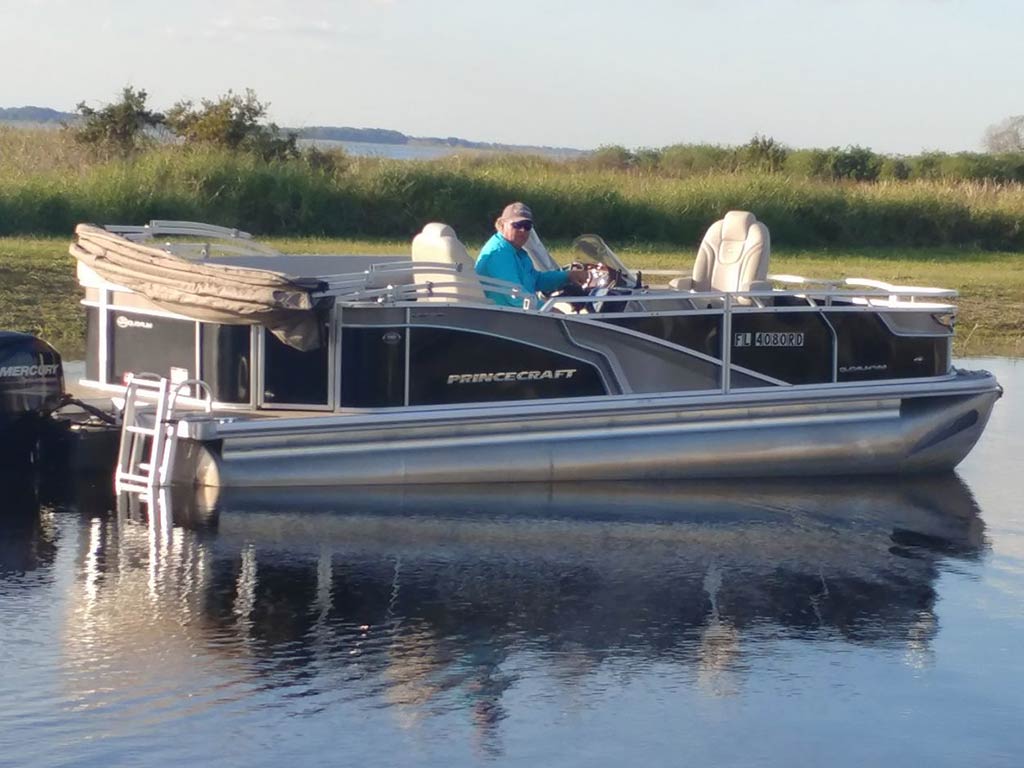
[[852, 163]]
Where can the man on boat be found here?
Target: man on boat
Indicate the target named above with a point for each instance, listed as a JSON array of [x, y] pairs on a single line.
[[504, 258]]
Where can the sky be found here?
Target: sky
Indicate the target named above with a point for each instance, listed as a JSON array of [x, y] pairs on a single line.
[[898, 76]]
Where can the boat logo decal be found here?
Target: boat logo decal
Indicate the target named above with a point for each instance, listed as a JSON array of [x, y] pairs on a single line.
[[127, 322], [480, 378], [860, 368], [10, 371], [768, 339]]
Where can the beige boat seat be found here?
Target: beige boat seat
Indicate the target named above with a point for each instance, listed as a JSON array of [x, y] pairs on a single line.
[[444, 266], [733, 256]]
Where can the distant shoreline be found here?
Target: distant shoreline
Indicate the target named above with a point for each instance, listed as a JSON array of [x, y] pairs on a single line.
[[44, 117], [385, 136]]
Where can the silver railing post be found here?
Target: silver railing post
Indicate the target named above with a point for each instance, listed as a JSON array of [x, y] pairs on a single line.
[[727, 344]]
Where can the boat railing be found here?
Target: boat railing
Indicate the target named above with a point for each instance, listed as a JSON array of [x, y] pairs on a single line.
[[391, 282], [911, 294], [379, 276], [879, 293], [814, 294], [808, 281], [213, 237], [397, 282], [434, 289], [184, 228]]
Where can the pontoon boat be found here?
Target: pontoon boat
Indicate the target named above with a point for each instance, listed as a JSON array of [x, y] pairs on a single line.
[[266, 369]]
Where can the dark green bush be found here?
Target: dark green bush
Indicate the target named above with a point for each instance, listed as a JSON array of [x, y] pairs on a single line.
[[853, 164], [118, 128], [763, 154], [894, 169], [233, 121], [609, 158], [694, 159]]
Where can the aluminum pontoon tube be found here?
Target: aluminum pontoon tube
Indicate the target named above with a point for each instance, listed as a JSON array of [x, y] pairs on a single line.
[[803, 436]]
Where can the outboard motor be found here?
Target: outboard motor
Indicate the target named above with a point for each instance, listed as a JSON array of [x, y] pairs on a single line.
[[31, 387]]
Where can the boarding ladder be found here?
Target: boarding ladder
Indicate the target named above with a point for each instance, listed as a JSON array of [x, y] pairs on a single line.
[[135, 472]]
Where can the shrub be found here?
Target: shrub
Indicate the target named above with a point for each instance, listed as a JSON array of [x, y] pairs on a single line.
[[329, 161], [231, 122], [853, 163], [927, 165], [764, 154], [120, 127], [894, 169], [609, 158], [691, 159]]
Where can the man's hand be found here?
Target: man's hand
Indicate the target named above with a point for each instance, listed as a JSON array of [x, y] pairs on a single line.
[[578, 276]]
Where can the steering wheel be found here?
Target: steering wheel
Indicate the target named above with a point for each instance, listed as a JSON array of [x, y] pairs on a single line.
[[600, 281]]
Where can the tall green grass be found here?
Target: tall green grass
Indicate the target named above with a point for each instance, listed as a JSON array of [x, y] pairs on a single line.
[[332, 195]]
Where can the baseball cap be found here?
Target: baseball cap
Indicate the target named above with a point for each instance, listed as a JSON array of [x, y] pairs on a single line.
[[517, 212]]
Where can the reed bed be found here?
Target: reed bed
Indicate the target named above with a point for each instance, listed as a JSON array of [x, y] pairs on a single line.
[[48, 184], [27, 153]]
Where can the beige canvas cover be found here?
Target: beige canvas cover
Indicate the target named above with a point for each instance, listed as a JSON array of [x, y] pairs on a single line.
[[216, 293]]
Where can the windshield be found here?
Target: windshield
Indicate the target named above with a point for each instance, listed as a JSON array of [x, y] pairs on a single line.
[[595, 249], [588, 248], [539, 255]]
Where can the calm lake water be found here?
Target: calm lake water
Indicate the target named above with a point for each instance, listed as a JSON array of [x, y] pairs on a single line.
[[390, 151], [423, 151], [840, 623]]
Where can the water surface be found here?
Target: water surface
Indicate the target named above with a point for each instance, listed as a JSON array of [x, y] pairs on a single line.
[[834, 622]]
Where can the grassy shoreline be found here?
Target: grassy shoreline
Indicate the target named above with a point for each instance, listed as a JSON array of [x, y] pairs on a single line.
[[39, 292]]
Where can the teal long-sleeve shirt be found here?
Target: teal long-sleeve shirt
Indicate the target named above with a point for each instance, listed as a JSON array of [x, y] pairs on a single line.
[[502, 260]]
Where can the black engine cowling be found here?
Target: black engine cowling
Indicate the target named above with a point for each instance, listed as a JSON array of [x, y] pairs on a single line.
[[31, 386]]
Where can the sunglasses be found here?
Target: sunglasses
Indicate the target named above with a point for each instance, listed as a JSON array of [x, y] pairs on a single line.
[[522, 225]]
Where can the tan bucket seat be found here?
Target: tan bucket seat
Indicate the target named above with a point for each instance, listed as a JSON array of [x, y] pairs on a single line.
[[733, 256], [444, 266]]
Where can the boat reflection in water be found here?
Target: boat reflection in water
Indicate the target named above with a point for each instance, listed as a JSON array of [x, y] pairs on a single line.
[[433, 600], [28, 541]]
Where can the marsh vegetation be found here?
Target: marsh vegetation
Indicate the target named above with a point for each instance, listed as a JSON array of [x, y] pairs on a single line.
[[49, 183]]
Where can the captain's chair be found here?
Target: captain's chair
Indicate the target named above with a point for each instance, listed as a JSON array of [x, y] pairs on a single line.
[[732, 257], [447, 268]]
